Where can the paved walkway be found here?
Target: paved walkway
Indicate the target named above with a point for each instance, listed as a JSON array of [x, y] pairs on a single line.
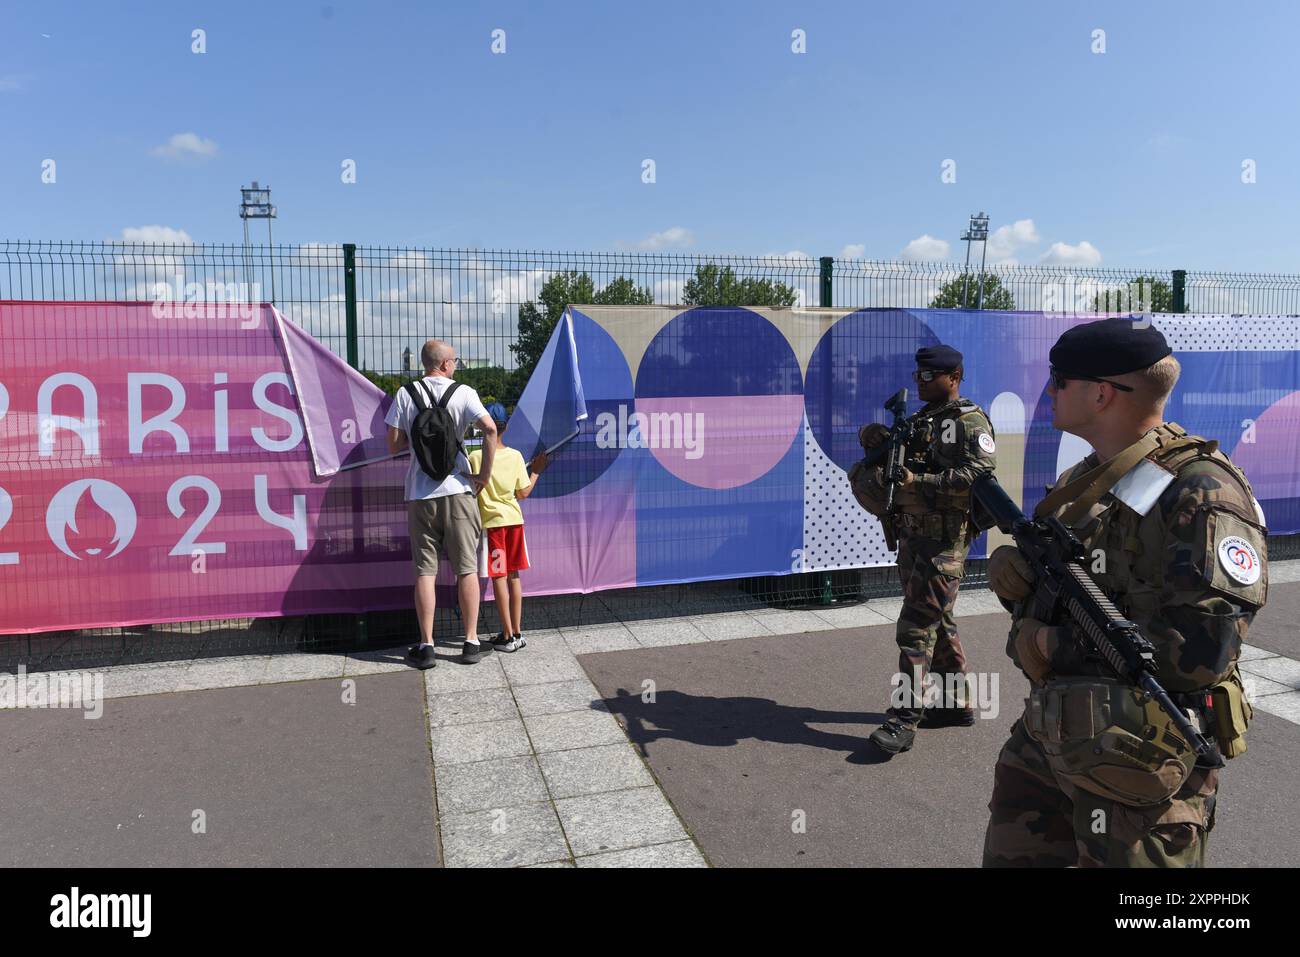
[[529, 766]]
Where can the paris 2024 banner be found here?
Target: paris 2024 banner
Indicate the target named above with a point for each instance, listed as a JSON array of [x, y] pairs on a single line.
[[218, 462]]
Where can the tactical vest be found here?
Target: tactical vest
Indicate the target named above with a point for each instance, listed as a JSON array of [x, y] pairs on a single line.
[[928, 453], [1133, 576], [1121, 532]]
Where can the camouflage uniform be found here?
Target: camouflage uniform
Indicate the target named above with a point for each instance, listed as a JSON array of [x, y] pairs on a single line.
[[952, 444], [1168, 571]]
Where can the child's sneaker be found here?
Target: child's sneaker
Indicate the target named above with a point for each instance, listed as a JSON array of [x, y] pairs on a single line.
[[512, 644]]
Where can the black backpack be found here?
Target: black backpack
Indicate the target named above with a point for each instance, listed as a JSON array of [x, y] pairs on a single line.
[[435, 438]]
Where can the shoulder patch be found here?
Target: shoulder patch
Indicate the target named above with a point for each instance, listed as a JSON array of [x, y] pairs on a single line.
[[986, 443], [1239, 559]]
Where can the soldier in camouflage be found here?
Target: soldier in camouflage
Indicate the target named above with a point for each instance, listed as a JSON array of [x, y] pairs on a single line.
[[952, 444], [1092, 774]]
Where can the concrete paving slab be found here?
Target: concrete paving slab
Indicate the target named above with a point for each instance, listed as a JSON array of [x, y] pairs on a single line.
[[450, 675], [675, 854], [503, 837], [557, 696], [613, 767], [653, 634], [382, 661], [1283, 705], [484, 741], [1284, 671], [471, 707], [604, 638], [285, 775], [572, 729], [1258, 688], [727, 627], [790, 622], [489, 784], [524, 668], [621, 819]]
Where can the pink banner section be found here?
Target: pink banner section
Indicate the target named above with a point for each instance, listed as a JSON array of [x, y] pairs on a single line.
[[158, 467]]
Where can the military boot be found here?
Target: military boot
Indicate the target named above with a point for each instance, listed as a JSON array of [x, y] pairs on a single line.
[[893, 737]]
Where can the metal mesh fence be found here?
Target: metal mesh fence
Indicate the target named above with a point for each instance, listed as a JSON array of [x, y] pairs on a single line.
[[396, 297]]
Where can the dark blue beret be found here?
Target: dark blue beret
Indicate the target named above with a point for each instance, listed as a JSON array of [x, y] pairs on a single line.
[[1109, 347], [940, 358]]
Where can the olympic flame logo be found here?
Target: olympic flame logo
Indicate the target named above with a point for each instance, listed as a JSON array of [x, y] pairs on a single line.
[[61, 516]]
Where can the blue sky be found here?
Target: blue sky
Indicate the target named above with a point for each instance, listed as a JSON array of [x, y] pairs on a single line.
[[1136, 151]]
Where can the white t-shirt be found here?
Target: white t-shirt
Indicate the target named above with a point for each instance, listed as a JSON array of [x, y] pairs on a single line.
[[465, 409]]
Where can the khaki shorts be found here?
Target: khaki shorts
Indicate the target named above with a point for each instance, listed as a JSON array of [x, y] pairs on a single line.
[[451, 523]]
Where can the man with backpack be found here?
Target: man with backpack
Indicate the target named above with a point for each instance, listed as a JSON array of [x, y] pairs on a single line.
[[430, 416]]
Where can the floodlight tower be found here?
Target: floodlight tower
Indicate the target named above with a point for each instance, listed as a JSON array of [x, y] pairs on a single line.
[[978, 232], [255, 203]]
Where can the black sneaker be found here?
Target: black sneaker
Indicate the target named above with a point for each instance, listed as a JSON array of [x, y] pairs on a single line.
[[947, 718], [472, 654], [422, 656], [502, 643], [893, 737]]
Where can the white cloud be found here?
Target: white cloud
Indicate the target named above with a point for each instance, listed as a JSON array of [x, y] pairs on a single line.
[[925, 248], [1063, 254], [792, 254], [854, 251], [668, 291], [674, 237], [182, 145], [156, 234], [1006, 240]]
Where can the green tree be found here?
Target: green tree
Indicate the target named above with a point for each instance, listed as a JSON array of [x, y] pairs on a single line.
[[389, 383], [996, 295], [537, 320], [490, 381], [1133, 296], [720, 286]]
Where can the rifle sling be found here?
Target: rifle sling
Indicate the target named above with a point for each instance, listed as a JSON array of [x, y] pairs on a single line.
[[1084, 492]]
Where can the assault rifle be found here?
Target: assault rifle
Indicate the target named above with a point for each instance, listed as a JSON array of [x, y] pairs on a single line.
[[1064, 589], [892, 451]]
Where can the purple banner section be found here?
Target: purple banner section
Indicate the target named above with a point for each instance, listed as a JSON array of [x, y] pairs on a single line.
[[156, 468]]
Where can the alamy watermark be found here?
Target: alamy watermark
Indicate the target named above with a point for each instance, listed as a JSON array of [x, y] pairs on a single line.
[[651, 430], [977, 690], [53, 689], [174, 298]]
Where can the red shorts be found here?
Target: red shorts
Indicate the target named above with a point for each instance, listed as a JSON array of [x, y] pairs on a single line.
[[506, 551]]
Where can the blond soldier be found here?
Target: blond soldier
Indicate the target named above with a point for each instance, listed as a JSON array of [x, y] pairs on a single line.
[[1093, 774]]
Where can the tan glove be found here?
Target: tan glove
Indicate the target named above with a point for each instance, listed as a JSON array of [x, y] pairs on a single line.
[[872, 434], [1010, 576], [1032, 650]]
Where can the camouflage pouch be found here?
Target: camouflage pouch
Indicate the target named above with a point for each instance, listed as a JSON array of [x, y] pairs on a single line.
[[1109, 739], [869, 493], [1232, 714]]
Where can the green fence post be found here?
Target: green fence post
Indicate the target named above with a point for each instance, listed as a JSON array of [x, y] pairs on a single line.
[[827, 300], [361, 635], [350, 300], [1180, 290]]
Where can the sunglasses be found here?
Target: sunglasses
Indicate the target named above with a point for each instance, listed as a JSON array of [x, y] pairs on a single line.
[[926, 375], [1059, 379]]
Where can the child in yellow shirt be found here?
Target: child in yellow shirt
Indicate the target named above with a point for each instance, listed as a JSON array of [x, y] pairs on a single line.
[[503, 524]]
